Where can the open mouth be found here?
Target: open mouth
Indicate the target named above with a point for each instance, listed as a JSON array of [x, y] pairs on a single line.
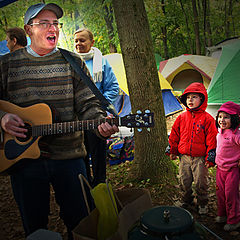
[[51, 39]]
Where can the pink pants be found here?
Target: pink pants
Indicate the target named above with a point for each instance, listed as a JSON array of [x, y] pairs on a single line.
[[227, 191]]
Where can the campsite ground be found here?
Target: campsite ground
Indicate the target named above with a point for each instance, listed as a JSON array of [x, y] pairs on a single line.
[[11, 227]]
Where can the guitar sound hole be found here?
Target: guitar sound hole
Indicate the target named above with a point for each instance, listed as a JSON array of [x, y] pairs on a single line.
[[28, 133]]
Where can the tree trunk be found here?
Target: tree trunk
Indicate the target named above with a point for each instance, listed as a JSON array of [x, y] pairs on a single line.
[[226, 20], [196, 28], [204, 21], [150, 161], [208, 24], [164, 32], [229, 16], [233, 22], [108, 17], [187, 26]]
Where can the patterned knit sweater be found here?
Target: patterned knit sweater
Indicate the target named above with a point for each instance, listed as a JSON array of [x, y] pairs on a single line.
[[26, 80]]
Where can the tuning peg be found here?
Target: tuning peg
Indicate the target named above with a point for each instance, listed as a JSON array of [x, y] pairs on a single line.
[[147, 111], [139, 129], [139, 112]]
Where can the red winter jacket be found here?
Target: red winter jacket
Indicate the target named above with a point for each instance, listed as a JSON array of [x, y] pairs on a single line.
[[194, 131]]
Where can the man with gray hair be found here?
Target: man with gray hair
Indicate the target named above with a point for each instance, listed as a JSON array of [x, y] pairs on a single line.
[[35, 74]]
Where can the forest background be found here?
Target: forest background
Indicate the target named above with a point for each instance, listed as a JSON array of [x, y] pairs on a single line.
[[177, 26]]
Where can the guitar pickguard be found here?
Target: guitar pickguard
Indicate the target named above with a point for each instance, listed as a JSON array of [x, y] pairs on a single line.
[[13, 150]]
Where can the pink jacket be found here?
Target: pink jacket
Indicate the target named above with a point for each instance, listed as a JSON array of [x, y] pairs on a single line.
[[228, 149]]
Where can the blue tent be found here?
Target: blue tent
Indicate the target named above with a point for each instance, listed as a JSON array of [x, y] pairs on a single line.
[[3, 47], [170, 102], [123, 104]]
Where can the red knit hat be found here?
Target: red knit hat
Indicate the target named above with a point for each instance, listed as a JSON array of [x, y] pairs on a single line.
[[230, 108]]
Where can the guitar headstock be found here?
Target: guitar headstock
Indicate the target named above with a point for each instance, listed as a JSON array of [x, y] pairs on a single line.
[[139, 120]]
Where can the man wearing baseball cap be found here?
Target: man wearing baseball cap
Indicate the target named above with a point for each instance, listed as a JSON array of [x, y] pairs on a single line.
[[37, 8], [40, 74]]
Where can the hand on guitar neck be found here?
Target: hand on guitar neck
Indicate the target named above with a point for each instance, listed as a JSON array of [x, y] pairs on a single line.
[[13, 125], [106, 130]]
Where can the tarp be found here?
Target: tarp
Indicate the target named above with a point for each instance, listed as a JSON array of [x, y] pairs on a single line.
[[183, 70], [123, 105]]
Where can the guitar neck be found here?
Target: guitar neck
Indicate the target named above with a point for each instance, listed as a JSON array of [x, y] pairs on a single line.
[[70, 127]]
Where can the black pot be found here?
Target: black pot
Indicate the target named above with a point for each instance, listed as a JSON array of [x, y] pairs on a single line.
[[165, 223]]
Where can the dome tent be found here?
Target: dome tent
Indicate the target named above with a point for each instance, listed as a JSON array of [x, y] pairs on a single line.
[[225, 84], [123, 105], [183, 70]]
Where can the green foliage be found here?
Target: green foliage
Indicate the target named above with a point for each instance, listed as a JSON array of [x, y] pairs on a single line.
[[12, 15], [175, 22], [90, 14]]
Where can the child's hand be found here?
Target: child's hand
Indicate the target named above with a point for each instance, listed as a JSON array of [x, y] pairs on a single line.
[[173, 156], [209, 164]]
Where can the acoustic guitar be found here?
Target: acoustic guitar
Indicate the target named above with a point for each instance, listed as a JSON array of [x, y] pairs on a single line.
[[38, 121]]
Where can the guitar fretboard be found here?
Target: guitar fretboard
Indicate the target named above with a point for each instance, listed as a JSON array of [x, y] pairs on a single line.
[[69, 127]]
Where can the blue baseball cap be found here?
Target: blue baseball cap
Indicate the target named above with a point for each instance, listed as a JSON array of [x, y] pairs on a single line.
[[35, 9]]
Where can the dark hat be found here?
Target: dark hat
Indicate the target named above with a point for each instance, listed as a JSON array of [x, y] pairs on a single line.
[[230, 108], [33, 10]]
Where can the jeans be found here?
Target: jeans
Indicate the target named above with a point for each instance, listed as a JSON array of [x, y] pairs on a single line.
[[31, 189]]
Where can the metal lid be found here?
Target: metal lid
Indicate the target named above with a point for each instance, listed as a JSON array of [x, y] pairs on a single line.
[[165, 220]]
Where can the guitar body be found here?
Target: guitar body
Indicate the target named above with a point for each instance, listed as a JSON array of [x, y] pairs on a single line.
[[38, 120], [15, 149]]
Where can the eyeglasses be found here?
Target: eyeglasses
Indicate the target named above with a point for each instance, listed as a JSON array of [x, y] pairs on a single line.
[[47, 25]]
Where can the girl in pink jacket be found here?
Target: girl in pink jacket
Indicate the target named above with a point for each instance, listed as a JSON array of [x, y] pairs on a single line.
[[227, 160]]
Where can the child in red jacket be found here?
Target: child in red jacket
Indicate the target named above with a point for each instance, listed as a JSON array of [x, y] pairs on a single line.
[[193, 139]]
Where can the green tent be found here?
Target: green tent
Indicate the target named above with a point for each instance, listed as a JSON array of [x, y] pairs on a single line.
[[225, 84], [158, 59]]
